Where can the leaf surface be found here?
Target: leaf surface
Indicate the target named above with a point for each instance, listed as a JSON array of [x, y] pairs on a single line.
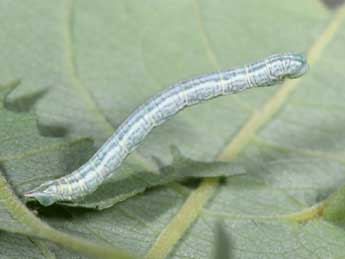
[[100, 61]]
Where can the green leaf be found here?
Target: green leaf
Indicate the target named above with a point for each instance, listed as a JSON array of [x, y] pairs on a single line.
[[27, 247], [96, 62]]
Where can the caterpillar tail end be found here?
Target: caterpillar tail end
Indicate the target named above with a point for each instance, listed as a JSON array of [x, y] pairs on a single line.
[[42, 195]]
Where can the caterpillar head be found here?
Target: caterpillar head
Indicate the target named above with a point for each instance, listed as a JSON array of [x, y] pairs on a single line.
[[46, 194], [291, 65], [296, 65]]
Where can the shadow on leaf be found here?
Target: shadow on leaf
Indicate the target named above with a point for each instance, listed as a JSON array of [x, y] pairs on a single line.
[[25, 103], [223, 243]]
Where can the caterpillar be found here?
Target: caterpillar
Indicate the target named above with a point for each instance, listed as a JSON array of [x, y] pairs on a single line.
[[158, 109]]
